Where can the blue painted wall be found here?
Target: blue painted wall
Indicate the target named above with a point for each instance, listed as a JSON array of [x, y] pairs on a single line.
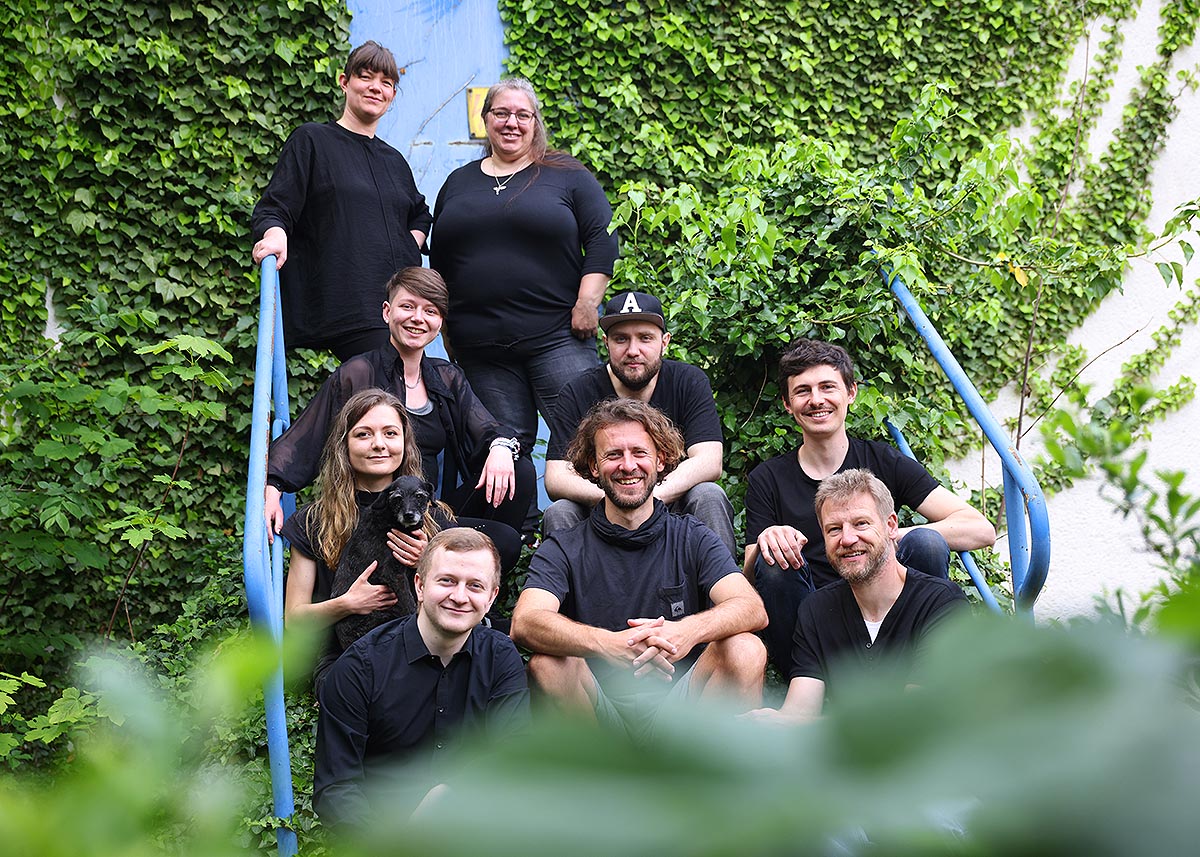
[[442, 47]]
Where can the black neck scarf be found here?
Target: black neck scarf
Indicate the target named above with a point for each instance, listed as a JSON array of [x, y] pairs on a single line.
[[617, 536]]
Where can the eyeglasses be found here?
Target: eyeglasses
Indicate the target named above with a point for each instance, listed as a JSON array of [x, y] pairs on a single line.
[[501, 114]]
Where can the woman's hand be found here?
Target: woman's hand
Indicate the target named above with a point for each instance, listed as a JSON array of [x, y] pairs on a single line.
[[407, 547], [273, 243], [364, 596], [499, 477], [585, 316], [584, 319], [273, 512]]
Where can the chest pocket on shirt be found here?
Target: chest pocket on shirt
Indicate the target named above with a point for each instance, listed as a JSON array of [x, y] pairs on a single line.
[[672, 600]]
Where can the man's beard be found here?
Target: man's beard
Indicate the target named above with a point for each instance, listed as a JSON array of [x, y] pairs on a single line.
[[639, 383], [609, 487], [876, 560]]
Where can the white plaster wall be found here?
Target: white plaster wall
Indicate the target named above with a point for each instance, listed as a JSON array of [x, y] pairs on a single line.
[[1095, 550]]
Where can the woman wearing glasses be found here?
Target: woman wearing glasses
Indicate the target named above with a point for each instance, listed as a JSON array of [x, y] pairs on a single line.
[[522, 239], [341, 215]]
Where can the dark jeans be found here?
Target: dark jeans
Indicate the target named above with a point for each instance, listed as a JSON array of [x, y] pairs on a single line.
[[783, 590], [515, 382], [468, 500]]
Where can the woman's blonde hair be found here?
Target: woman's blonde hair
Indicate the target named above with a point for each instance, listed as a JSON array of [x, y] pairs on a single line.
[[539, 150], [335, 509]]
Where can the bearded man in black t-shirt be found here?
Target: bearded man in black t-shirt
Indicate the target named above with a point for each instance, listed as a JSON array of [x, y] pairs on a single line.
[[636, 607], [877, 615], [784, 558], [636, 337]]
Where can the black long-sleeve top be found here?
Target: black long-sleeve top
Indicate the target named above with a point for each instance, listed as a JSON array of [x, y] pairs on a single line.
[[513, 260], [295, 455], [347, 203], [387, 699]]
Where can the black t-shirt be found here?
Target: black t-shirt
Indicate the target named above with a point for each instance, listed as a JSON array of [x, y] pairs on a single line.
[[779, 492], [431, 440], [513, 260], [682, 392], [301, 532], [831, 634], [604, 575]]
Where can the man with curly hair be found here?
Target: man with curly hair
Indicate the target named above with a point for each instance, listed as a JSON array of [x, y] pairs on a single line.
[[634, 606]]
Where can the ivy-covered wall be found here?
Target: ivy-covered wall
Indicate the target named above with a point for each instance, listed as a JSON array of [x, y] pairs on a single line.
[[134, 139], [755, 151], [662, 90]]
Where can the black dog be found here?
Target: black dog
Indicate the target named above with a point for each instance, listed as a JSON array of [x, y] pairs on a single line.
[[401, 506]]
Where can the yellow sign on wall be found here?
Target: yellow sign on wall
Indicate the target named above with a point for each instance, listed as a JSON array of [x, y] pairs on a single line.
[[475, 96]]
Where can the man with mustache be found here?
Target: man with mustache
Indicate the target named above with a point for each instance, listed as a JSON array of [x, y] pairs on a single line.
[[785, 559], [877, 614], [634, 607], [636, 337]]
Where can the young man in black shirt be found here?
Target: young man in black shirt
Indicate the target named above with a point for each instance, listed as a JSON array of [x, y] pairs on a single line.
[[783, 557], [878, 613], [636, 606], [636, 337], [397, 699]]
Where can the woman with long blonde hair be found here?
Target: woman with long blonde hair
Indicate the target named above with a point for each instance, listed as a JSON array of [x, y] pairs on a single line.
[[340, 484]]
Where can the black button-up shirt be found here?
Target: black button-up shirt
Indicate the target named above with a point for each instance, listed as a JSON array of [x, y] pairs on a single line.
[[388, 702]]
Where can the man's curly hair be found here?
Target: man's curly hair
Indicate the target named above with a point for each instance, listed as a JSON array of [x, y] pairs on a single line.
[[666, 438]]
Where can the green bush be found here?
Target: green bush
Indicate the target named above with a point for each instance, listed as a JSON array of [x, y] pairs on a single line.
[[134, 139], [1045, 740]]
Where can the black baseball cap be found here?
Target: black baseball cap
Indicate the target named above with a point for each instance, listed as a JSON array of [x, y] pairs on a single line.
[[632, 306]]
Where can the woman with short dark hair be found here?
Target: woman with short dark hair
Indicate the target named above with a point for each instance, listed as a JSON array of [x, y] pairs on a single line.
[[341, 214]]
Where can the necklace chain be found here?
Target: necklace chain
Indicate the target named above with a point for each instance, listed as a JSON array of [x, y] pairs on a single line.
[[501, 185], [414, 384]]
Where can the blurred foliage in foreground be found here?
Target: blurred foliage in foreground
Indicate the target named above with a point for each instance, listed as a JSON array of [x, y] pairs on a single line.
[[1048, 741]]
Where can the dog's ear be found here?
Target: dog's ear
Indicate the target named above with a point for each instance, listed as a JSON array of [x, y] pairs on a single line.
[[428, 486]]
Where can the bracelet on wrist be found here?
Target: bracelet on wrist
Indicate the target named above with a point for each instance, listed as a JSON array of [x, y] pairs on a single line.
[[510, 443]]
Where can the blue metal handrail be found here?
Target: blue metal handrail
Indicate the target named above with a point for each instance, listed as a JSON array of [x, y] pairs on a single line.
[[262, 564], [968, 561], [1024, 503]]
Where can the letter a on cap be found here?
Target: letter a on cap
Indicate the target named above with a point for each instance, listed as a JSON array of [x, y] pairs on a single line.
[[631, 304]]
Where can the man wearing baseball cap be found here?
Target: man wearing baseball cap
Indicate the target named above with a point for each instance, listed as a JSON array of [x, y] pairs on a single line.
[[636, 337]]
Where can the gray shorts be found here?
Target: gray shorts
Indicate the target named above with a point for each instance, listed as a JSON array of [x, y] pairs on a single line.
[[637, 711]]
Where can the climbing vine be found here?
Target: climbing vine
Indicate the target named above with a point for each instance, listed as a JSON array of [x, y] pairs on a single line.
[[758, 152], [134, 140], [764, 155], [703, 118]]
